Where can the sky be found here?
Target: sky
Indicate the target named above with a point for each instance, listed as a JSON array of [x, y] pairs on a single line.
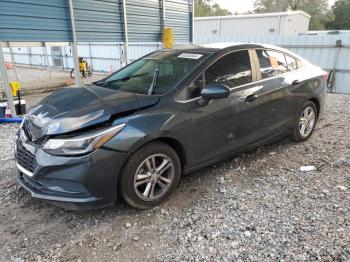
[[242, 6]]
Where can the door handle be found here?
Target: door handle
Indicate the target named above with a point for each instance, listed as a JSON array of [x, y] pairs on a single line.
[[296, 82], [251, 98]]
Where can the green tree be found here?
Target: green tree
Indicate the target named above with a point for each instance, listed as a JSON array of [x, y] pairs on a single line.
[[341, 15], [209, 8], [318, 9], [268, 6], [220, 11]]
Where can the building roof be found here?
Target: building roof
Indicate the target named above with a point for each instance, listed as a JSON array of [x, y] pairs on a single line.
[[288, 13]]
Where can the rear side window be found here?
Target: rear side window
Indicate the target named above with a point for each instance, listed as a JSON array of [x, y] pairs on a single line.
[[232, 70], [272, 63]]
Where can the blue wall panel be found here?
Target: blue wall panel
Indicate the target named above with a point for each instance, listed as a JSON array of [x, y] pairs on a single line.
[[144, 18], [178, 15], [96, 20], [34, 20], [99, 20]]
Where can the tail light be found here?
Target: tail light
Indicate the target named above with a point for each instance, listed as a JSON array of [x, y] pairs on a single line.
[[325, 76]]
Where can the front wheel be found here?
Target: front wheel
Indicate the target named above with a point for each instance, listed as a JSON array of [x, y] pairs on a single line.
[[149, 176], [305, 122], [72, 75]]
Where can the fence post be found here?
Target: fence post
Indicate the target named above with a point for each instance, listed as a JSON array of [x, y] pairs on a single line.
[[13, 61], [121, 54], [30, 55], [46, 58], [163, 13], [126, 37], [74, 45], [90, 54], [192, 21], [6, 83], [338, 45]]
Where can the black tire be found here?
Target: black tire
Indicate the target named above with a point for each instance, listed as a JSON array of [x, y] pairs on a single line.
[[126, 179], [72, 73], [89, 71], [297, 135]]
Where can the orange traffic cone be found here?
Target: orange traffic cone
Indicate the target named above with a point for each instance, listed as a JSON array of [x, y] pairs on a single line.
[[8, 65]]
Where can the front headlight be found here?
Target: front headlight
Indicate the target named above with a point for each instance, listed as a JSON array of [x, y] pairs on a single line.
[[81, 144]]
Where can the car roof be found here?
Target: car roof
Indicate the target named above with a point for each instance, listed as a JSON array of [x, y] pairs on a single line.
[[217, 47], [214, 47], [238, 45]]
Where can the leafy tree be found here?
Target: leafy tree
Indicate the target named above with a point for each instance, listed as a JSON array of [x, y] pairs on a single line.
[[268, 6], [209, 8], [341, 15], [318, 9], [218, 11]]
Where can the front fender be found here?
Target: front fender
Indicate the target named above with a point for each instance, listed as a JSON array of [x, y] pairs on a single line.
[[143, 128]]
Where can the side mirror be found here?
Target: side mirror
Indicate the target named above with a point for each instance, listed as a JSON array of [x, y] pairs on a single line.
[[215, 91]]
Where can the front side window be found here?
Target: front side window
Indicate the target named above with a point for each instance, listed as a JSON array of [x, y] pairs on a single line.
[[232, 70], [194, 89], [272, 63], [154, 74]]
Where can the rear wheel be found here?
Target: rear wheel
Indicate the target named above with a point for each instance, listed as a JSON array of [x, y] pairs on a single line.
[[305, 122], [89, 72], [150, 176]]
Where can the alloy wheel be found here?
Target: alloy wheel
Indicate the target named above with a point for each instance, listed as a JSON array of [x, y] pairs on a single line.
[[307, 121], [154, 177]]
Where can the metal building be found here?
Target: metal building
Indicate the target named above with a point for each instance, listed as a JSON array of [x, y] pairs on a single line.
[[38, 23], [269, 24], [95, 20]]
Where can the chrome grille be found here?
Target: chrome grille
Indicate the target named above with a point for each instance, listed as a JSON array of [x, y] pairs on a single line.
[[25, 158]]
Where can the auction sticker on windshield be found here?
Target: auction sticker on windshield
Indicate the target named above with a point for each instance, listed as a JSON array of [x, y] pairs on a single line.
[[190, 56]]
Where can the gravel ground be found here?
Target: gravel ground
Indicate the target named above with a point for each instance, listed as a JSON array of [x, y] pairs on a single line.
[[257, 206]]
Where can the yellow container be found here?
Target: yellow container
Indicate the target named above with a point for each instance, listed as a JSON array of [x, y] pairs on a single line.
[[168, 37], [15, 86]]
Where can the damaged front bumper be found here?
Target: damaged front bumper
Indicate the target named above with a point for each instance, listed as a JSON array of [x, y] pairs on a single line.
[[81, 182]]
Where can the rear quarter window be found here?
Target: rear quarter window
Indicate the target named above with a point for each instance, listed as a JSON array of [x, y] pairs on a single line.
[[292, 63], [272, 63]]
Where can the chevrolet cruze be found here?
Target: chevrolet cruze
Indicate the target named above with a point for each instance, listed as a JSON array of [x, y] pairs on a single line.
[[131, 135]]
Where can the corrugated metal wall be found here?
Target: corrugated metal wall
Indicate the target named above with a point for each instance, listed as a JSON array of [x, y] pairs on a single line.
[[276, 24], [294, 25], [34, 20], [96, 20], [99, 20], [178, 15], [319, 49], [144, 19]]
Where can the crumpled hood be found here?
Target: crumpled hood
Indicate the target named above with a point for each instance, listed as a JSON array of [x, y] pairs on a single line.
[[73, 108]]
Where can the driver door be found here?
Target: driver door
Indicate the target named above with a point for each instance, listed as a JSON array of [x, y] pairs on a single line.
[[225, 125]]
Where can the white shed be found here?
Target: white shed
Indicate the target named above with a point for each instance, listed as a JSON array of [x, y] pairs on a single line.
[[269, 24]]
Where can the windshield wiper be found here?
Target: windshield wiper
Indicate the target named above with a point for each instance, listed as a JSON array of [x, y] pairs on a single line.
[[126, 78], [154, 81]]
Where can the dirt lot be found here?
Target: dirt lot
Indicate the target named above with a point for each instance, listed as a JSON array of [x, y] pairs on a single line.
[[257, 206], [38, 80]]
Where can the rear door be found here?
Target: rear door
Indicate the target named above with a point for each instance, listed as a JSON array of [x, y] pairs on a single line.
[[274, 114]]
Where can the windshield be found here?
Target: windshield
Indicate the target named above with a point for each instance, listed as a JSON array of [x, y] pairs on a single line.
[[154, 74]]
